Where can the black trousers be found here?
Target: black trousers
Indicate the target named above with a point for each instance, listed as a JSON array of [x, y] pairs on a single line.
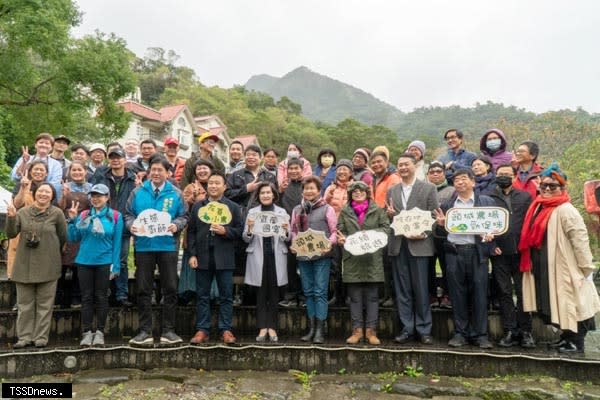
[[146, 263], [468, 285], [94, 281], [267, 295], [505, 269]]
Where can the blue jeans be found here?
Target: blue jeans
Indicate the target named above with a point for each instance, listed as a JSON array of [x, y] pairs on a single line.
[[122, 281], [315, 281], [204, 279]]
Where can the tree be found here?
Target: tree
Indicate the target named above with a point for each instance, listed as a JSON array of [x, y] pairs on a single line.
[[52, 82]]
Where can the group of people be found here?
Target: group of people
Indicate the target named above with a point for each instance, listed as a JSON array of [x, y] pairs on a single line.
[[81, 215]]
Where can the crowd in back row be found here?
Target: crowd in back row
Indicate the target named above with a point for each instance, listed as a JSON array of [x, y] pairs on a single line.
[[77, 218]]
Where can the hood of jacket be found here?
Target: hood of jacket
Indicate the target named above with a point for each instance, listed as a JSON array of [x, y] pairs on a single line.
[[482, 142]]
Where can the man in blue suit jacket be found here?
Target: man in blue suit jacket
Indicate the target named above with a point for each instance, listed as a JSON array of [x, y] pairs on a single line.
[[159, 194]]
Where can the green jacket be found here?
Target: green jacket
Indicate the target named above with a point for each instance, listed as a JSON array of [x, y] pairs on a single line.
[[367, 267]]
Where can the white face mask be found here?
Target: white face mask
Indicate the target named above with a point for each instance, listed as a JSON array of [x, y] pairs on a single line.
[[327, 161], [293, 154], [493, 144]]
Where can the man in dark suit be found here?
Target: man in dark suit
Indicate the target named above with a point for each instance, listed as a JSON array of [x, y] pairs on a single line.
[[410, 255], [212, 255], [467, 258]]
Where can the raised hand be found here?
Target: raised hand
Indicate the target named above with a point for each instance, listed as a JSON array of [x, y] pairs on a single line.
[[440, 217], [25, 154], [389, 207], [11, 210], [250, 223], [341, 238], [25, 183], [74, 210]]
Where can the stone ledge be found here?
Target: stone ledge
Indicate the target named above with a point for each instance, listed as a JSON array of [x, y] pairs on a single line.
[[324, 359]]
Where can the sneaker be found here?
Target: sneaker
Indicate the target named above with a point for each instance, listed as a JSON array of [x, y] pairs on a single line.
[[142, 339], [484, 343], [288, 303], [15, 307], [40, 343], [87, 338], [527, 340], [98, 338], [22, 344], [388, 303], [445, 302], [170, 337], [228, 337], [237, 301], [457, 341], [433, 302], [508, 340]]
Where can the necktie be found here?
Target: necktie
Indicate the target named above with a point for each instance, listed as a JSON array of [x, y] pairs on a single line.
[[156, 192]]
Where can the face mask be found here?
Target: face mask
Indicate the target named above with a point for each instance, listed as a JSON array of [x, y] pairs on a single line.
[[327, 161], [493, 144], [293, 154], [503, 182]]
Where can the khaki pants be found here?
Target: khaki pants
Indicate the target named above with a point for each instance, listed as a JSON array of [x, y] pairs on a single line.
[[35, 302]]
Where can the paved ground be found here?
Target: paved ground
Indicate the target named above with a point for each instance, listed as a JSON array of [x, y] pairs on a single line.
[[251, 385]]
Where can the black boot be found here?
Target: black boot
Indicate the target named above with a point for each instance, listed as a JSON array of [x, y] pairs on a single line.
[[319, 332], [311, 331]]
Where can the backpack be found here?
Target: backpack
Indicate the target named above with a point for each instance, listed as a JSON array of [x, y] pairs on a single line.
[[85, 213]]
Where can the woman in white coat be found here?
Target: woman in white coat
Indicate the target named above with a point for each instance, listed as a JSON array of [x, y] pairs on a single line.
[[266, 263]]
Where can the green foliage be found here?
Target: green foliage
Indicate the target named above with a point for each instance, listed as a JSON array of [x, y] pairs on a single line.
[[52, 82], [303, 378]]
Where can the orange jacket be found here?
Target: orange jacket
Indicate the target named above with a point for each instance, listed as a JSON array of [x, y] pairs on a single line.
[[381, 186]]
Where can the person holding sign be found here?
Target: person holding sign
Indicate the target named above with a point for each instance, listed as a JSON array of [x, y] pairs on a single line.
[[215, 224], [467, 257], [557, 264], [313, 213], [362, 273], [266, 264], [410, 254], [156, 244], [99, 230]]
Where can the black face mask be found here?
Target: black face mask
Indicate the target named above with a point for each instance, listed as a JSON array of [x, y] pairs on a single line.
[[503, 182]]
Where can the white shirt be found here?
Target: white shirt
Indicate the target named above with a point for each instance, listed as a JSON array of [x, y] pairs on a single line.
[[406, 191], [459, 239]]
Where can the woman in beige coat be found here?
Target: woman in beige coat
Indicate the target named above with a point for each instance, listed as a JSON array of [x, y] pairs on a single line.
[[556, 262]]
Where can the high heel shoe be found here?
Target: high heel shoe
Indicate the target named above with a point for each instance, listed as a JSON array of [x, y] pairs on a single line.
[[273, 337]]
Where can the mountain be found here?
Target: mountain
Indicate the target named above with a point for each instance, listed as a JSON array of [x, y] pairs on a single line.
[[326, 99]]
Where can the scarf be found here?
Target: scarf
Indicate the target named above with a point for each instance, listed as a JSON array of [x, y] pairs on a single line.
[[360, 209], [306, 208], [94, 217], [535, 224]]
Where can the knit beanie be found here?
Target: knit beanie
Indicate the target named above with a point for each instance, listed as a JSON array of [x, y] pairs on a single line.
[[419, 145]]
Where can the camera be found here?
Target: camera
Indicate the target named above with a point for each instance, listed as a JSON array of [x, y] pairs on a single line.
[[32, 241]]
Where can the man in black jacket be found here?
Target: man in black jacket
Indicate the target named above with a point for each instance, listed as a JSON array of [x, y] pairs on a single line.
[[505, 267], [467, 258], [121, 181], [212, 255]]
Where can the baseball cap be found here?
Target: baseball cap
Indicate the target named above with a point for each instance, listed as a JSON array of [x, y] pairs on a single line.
[[63, 138], [100, 188], [171, 140], [208, 135], [117, 152]]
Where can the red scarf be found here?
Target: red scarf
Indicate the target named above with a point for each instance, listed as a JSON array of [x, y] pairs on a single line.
[[534, 227]]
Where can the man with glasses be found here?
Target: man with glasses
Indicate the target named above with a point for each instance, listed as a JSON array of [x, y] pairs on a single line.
[[456, 157], [467, 266], [438, 295], [208, 141], [505, 266], [528, 170]]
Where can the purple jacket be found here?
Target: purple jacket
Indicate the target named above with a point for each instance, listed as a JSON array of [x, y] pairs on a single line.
[[500, 156]]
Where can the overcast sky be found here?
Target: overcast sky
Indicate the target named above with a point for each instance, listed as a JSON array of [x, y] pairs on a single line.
[[540, 55]]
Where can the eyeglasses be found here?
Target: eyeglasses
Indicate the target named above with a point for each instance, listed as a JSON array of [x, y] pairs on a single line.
[[451, 138], [551, 186], [436, 171]]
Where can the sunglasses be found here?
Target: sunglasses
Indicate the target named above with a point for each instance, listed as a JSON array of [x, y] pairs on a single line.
[[551, 186]]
